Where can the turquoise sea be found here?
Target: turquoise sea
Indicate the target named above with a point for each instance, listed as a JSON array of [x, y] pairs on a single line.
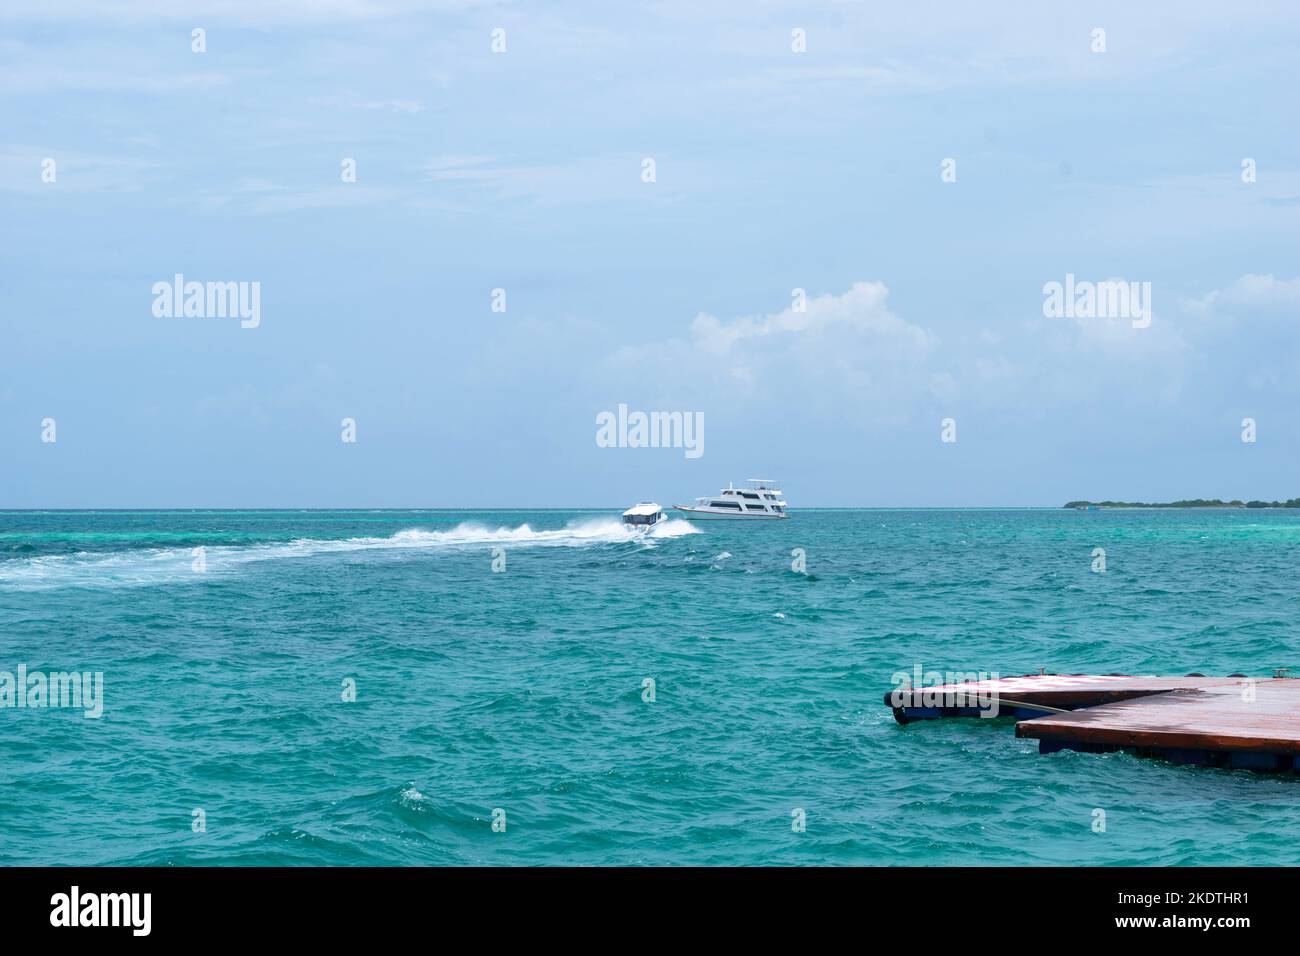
[[522, 689]]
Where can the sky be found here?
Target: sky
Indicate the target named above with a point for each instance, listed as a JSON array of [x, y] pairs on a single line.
[[919, 171]]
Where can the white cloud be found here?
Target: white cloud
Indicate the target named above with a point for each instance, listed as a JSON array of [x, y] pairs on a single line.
[[1248, 333], [255, 12], [846, 351], [259, 196], [127, 78], [849, 357], [862, 309], [351, 101], [20, 171], [1252, 293], [590, 179]]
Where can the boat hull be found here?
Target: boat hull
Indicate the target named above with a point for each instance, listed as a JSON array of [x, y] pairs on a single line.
[[697, 514]]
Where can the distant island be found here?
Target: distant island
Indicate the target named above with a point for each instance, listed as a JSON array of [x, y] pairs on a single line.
[[1190, 503]]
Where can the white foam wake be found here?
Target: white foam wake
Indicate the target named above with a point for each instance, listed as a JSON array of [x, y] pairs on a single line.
[[164, 565]]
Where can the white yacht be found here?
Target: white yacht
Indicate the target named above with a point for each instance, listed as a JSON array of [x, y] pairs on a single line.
[[644, 515], [762, 499]]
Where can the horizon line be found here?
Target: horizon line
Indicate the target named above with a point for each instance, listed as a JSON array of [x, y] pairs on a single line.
[[372, 508]]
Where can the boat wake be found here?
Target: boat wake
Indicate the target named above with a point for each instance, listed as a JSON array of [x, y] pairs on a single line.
[[143, 566]]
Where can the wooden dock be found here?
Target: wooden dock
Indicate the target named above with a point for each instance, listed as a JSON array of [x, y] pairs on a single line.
[[1251, 723]]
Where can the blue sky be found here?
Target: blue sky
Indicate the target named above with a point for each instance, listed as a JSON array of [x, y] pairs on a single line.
[[775, 170]]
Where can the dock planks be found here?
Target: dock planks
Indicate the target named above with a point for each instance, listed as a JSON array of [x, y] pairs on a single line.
[[1221, 721]]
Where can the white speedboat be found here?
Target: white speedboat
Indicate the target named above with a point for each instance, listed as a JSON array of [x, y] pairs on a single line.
[[762, 499], [644, 514]]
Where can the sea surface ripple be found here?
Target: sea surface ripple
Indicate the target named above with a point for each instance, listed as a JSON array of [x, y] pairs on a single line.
[[522, 689]]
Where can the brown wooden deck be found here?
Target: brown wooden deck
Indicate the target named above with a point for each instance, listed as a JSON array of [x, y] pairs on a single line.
[[1214, 720]]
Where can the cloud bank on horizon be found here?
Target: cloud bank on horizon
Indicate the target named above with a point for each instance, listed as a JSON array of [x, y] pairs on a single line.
[[474, 227]]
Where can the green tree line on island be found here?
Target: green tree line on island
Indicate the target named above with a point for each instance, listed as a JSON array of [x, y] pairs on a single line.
[[1188, 503]]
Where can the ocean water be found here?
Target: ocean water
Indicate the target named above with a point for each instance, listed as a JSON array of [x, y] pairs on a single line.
[[522, 690]]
